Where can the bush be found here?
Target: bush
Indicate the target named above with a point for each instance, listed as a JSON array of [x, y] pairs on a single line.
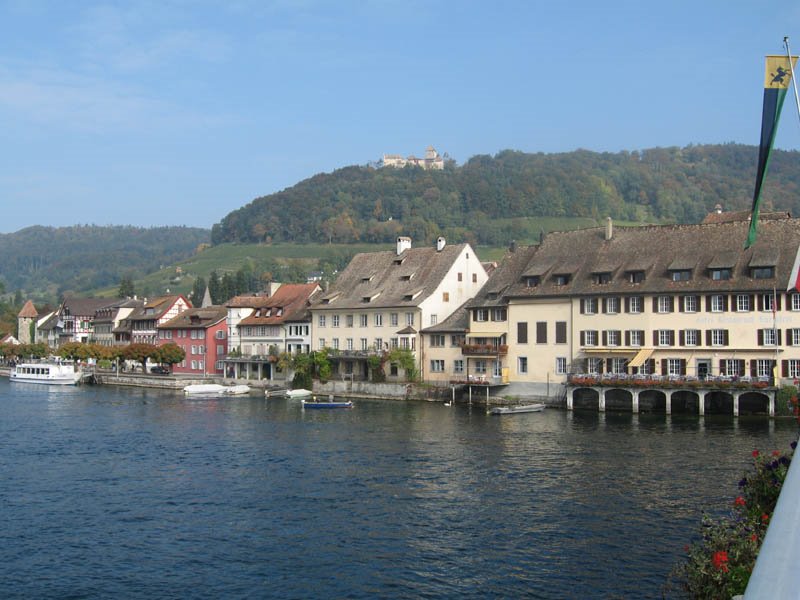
[[719, 564]]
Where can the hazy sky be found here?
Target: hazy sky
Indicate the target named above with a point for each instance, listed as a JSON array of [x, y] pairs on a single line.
[[179, 111]]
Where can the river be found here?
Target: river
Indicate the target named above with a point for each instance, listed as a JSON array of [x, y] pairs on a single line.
[[110, 492]]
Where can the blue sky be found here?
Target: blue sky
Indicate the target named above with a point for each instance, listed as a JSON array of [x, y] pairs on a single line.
[[175, 112]]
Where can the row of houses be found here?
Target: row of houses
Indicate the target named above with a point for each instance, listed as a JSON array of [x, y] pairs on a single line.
[[677, 301]]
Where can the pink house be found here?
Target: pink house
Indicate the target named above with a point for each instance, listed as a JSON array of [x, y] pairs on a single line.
[[203, 335]]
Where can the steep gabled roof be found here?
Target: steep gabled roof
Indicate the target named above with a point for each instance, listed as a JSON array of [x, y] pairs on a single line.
[[197, 318], [386, 279], [28, 311], [289, 303], [84, 307], [657, 251], [155, 308]]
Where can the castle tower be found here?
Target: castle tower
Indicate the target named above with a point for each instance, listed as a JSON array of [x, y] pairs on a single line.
[[25, 318]]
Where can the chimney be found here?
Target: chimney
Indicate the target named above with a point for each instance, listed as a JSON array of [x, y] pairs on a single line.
[[403, 244], [609, 228], [718, 209], [512, 247], [440, 243]]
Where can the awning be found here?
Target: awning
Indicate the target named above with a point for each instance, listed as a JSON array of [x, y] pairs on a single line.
[[486, 334], [641, 356]]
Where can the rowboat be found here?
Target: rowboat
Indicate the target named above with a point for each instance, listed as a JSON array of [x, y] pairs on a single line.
[[510, 410], [215, 389], [298, 393], [327, 404]]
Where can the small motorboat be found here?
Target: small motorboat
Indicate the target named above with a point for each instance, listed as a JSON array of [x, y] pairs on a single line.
[[215, 389], [511, 410], [298, 393], [329, 403]]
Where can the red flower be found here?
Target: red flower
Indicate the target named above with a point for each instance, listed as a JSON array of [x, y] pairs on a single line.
[[720, 560], [775, 453], [755, 453], [754, 538], [764, 518], [739, 501]]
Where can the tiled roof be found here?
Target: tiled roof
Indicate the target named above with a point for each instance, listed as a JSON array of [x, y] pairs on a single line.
[[158, 305], [28, 311], [197, 318], [85, 307], [458, 322], [742, 215], [289, 303], [583, 253], [385, 279], [248, 301]]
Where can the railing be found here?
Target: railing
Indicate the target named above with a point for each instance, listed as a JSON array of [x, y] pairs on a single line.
[[776, 575], [657, 381], [484, 349]]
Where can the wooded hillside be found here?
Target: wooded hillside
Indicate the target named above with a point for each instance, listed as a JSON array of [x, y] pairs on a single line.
[[487, 200]]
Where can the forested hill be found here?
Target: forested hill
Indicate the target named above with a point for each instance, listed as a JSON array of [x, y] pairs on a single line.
[[49, 260], [490, 199]]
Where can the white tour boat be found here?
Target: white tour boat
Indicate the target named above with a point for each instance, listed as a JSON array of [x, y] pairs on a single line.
[[49, 373]]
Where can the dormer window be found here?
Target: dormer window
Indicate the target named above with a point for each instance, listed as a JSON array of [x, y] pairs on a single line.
[[491, 296], [762, 272], [367, 279], [562, 279], [601, 278], [407, 277], [279, 312], [720, 274], [681, 275], [635, 276], [532, 282], [399, 260]]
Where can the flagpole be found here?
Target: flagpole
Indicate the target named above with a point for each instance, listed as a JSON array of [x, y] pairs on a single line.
[[791, 70]]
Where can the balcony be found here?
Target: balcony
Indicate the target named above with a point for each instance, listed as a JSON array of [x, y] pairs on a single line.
[[722, 382], [487, 350]]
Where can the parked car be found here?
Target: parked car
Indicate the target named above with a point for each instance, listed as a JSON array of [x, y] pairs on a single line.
[[159, 370]]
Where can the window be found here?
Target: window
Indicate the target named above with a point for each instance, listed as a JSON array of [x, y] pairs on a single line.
[[733, 367], [458, 365], [769, 337], [636, 336], [720, 274], [393, 370], [532, 282], [498, 314], [445, 296], [794, 337], [194, 349], [794, 368], [664, 304], [612, 337], [635, 276], [218, 365], [618, 365], [690, 304], [404, 343], [561, 279], [363, 343], [612, 306], [682, 275], [561, 365], [480, 366], [335, 321], [437, 366], [335, 343], [635, 304], [589, 338], [719, 337], [665, 337], [321, 343], [763, 367], [795, 301], [522, 364], [378, 343], [474, 278], [762, 272], [690, 337], [409, 319], [561, 332], [742, 303], [522, 333], [717, 303], [590, 306], [393, 320], [768, 302], [594, 365], [362, 320], [220, 350], [437, 341], [460, 277], [457, 340], [348, 320], [393, 343], [674, 367], [541, 332], [194, 365], [349, 344], [378, 320], [434, 319], [481, 314], [601, 278]]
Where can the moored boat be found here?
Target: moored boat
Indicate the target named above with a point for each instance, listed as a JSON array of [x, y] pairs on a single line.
[[298, 393], [510, 410], [215, 389], [314, 403], [46, 372]]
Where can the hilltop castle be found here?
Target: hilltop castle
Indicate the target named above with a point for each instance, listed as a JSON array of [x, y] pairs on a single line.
[[432, 160]]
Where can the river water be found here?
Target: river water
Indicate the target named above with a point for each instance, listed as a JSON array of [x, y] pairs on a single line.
[[144, 494]]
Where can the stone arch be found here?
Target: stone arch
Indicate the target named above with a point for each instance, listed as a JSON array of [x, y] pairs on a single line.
[[754, 403], [685, 401], [719, 402], [619, 399], [585, 398], [652, 401]]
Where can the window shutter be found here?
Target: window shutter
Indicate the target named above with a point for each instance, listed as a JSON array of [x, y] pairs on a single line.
[[778, 337], [760, 337], [708, 303], [751, 305], [681, 337], [761, 302], [541, 332], [561, 332], [605, 305], [725, 337], [777, 301], [655, 337], [722, 367], [683, 366], [605, 338], [681, 303], [663, 366], [652, 365], [627, 337], [708, 337], [671, 337], [522, 332], [583, 306], [627, 304], [740, 366], [753, 367], [725, 303], [784, 368], [583, 338], [671, 304], [655, 304]]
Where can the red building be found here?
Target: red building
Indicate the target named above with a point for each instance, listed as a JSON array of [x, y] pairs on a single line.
[[203, 335]]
